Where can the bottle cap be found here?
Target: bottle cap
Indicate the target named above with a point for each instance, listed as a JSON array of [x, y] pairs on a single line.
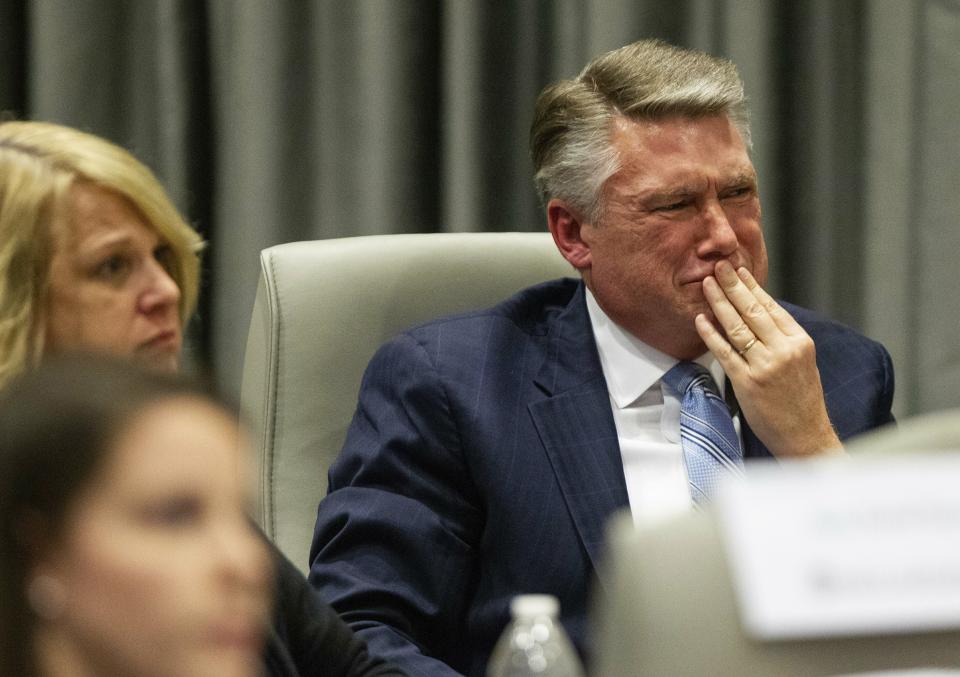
[[534, 605]]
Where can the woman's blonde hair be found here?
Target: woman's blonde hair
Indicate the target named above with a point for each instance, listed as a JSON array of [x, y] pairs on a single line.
[[39, 162]]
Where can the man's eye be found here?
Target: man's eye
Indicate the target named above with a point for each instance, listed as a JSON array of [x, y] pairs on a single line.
[[673, 206], [112, 267], [739, 192]]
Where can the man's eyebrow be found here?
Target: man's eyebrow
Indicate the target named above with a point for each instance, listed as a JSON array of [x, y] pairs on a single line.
[[679, 193], [740, 179]]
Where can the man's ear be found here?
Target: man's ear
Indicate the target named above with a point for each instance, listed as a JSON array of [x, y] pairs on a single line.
[[565, 224]]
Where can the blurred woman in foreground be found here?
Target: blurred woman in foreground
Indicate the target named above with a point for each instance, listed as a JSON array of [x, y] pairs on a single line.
[[94, 257], [124, 544]]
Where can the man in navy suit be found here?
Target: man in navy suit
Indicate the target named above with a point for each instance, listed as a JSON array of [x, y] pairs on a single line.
[[488, 450]]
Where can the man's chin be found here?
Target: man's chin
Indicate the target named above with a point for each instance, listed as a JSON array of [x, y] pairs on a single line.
[[696, 305], [687, 344], [707, 312]]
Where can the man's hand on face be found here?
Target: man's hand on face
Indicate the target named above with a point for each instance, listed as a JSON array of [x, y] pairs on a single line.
[[771, 362]]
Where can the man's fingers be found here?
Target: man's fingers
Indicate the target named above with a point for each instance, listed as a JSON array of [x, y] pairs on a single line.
[[781, 317], [752, 311], [733, 365], [738, 332]]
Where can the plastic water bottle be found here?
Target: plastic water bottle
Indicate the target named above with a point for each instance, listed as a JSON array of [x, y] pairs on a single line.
[[534, 643]]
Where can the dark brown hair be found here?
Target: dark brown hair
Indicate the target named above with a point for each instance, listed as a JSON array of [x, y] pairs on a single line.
[[57, 425]]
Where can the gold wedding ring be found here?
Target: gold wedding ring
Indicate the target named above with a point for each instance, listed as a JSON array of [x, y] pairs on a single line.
[[747, 347]]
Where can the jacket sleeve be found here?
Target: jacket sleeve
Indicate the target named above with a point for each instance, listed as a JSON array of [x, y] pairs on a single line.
[[394, 549]]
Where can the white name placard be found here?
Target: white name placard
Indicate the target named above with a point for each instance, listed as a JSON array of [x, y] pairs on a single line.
[[845, 546]]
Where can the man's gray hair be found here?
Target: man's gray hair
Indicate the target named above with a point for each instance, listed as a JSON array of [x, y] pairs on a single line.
[[647, 80]]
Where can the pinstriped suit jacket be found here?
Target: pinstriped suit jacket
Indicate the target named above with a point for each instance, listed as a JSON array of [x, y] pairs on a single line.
[[482, 462]]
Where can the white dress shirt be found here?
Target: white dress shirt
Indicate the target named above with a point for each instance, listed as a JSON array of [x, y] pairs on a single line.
[[647, 417]]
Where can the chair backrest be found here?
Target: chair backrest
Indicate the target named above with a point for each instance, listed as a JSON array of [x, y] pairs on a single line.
[[321, 311], [671, 610]]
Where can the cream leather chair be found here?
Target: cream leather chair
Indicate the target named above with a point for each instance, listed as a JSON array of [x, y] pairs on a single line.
[[322, 309]]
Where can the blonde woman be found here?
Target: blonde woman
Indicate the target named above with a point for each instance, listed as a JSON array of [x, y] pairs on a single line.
[[92, 252]]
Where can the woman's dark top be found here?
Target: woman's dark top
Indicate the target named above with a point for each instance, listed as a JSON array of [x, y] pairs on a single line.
[[308, 638]]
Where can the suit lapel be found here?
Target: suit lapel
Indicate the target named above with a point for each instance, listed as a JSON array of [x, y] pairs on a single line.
[[575, 425]]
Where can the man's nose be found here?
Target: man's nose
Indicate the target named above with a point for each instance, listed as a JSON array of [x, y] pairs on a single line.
[[161, 290], [719, 237]]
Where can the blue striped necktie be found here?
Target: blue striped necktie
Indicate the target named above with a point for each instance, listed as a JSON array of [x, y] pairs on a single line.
[[709, 440]]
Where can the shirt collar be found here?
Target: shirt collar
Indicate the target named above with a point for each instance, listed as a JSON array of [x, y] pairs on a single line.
[[629, 365]]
